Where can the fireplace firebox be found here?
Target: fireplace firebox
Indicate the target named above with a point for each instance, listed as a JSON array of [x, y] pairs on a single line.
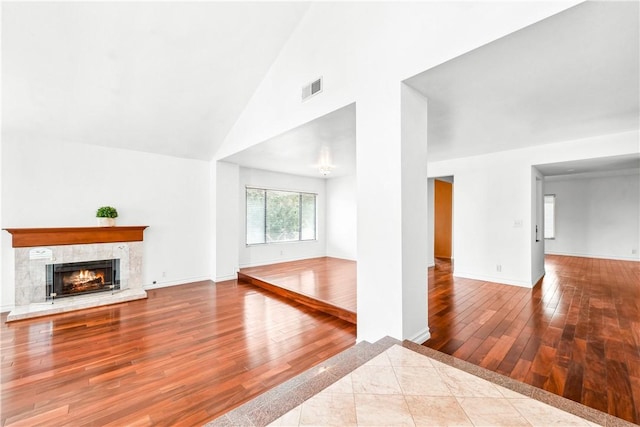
[[74, 278]]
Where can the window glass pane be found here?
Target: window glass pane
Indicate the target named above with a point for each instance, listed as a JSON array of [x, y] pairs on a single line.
[[255, 216], [549, 216], [280, 216], [308, 226], [283, 216]]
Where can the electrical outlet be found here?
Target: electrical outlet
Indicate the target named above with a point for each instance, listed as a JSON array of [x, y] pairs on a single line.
[[164, 274], [634, 251], [498, 268]]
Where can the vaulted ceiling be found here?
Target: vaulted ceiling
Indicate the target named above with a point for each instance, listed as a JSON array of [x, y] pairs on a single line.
[[162, 77], [329, 140], [172, 78], [573, 75]]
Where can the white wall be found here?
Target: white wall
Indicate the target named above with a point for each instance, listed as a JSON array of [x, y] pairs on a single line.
[[286, 251], [52, 184], [492, 219], [493, 196], [415, 239], [370, 49], [537, 220], [342, 215], [597, 215], [226, 214]]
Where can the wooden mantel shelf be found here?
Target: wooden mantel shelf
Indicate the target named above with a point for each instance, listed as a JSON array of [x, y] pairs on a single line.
[[28, 237]]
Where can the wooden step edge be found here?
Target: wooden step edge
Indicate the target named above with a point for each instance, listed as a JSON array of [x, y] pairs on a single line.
[[323, 306]]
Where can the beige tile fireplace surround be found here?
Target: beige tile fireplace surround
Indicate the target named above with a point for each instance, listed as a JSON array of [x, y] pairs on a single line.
[[35, 248]]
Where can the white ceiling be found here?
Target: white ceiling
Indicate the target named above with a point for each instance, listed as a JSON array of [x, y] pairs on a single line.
[[172, 78], [572, 75], [299, 150], [617, 163], [162, 77]]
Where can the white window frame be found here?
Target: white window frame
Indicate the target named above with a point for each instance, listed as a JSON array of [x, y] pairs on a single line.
[[300, 194]]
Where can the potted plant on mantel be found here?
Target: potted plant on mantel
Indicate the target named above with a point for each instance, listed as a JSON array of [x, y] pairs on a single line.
[[107, 216]]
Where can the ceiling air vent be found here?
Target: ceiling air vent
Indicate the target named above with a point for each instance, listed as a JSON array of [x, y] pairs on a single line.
[[313, 88]]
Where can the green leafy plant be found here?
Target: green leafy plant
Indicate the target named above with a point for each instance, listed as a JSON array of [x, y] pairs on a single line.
[[107, 212]]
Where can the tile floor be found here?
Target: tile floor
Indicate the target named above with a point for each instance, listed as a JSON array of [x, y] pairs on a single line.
[[395, 383], [403, 388]]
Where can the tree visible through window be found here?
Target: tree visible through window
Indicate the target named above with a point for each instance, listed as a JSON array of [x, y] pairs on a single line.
[[549, 216], [280, 216]]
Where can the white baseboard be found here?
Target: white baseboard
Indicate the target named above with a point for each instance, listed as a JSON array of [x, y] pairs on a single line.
[[539, 277], [421, 336], [581, 255], [494, 279], [176, 282], [341, 256], [225, 278]]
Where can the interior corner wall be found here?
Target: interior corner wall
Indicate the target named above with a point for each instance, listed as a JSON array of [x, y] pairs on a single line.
[[58, 184], [342, 215], [286, 251], [597, 215]]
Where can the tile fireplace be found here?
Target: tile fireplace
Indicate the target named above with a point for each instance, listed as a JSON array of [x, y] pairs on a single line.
[[63, 269]]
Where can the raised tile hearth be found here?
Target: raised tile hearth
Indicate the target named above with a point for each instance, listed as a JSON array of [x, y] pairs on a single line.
[[34, 249]]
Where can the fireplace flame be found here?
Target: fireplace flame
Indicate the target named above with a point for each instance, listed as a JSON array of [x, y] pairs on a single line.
[[81, 277]]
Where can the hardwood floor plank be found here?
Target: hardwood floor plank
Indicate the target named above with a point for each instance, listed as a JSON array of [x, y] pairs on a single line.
[[573, 382], [184, 356], [576, 333], [497, 353]]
